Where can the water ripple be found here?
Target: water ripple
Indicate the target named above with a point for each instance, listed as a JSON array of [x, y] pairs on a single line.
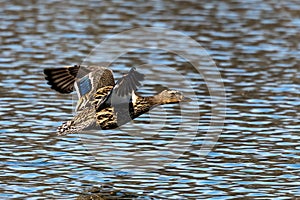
[[253, 45]]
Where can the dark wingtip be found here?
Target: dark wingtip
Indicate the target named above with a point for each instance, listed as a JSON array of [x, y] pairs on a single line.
[[61, 79], [129, 82], [139, 76]]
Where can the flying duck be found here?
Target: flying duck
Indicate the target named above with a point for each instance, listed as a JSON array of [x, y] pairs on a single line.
[[104, 104]]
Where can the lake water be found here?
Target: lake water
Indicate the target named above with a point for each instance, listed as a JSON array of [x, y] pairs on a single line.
[[255, 46]]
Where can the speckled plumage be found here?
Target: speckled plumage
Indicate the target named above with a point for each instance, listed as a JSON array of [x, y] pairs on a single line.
[[103, 104]]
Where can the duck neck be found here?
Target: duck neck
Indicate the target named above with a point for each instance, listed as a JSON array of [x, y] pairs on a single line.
[[142, 105]]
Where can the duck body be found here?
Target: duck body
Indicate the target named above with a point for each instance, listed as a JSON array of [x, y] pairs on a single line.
[[103, 104], [110, 117]]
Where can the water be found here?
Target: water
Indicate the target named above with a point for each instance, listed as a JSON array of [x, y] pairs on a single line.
[[255, 46]]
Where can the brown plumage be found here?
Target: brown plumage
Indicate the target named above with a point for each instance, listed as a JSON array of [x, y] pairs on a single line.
[[105, 105]]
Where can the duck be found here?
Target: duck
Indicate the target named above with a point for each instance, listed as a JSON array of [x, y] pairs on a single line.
[[103, 103]]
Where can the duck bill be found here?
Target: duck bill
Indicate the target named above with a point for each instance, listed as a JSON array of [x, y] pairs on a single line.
[[186, 99]]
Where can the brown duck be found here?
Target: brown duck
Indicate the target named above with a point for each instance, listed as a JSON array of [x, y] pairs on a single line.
[[104, 104]]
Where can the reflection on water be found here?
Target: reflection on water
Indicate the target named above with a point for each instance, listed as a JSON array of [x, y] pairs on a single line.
[[255, 45]]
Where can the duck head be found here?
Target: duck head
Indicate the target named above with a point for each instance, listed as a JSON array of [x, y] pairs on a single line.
[[171, 96]]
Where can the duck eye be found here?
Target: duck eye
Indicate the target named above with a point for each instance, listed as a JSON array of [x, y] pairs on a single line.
[[173, 94]]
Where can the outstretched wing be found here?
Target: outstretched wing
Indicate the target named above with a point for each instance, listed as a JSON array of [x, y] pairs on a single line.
[[84, 79], [128, 83], [122, 91], [63, 79]]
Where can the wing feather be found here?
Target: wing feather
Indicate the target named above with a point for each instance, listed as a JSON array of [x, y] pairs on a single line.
[[128, 83], [62, 79]]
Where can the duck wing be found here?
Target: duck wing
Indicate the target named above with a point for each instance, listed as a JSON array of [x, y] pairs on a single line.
[[62, 79], [128, 83], [121, 93], [84, 79]]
